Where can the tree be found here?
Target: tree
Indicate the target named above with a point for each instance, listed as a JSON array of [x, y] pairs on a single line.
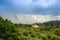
[[7, 29]]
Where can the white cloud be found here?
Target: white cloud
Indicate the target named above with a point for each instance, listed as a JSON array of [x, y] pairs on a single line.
[[45, 3], [29, 19], [9, 16], [42, 3], [36, 18]]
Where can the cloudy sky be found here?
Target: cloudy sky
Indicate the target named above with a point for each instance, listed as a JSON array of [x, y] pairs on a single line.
[[30, 11]]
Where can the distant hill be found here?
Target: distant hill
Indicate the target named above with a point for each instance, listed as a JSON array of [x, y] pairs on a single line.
[[52, 23]]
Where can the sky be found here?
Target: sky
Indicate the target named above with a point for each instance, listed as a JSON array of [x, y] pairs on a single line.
[[30, 11]]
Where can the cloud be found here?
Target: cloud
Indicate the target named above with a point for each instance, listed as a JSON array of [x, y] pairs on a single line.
[[32, 6], [7, 15], [31, 3], [29, 19], [36, 18], [20, 2], [45, 3]]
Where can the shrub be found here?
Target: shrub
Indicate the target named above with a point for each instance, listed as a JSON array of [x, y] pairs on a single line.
[[55, 38], [57, 32]]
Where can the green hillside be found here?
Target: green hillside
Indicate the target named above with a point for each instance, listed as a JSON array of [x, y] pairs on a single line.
[[45, 31]]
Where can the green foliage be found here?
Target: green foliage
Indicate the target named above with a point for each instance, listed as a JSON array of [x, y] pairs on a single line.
[[57, 32], [11, 31], [25, 33], [55, 37], [7, 29]]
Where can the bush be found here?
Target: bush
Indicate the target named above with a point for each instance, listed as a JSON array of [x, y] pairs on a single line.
[[25, 33], [55, 38], [7, 30], [57, 32]]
